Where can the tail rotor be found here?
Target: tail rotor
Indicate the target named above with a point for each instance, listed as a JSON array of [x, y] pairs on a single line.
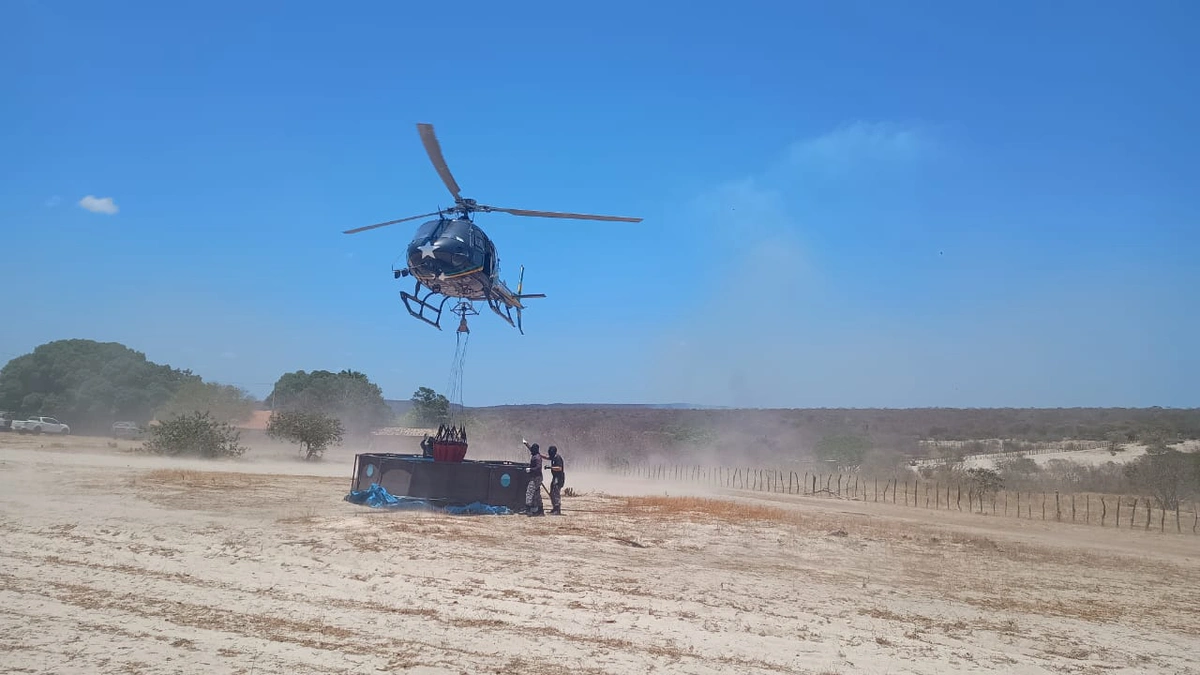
[[521, 296], [520, 285]]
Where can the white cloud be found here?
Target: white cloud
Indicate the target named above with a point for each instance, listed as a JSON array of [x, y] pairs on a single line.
[[859, 144], [99, 205]]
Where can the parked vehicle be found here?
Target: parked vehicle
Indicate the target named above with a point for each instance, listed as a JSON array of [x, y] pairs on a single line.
[[126, 430], [6, 420], [40, 425]]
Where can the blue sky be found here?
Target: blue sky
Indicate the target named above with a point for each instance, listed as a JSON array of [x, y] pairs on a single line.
[[846, 204]]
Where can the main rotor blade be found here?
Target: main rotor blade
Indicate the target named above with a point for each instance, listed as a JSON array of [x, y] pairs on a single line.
[[434, 150], [555, 214], [390, 222]]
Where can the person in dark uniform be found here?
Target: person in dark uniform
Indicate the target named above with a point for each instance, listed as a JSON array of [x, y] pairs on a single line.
[[533, 492], [557, 478], [427, 446]]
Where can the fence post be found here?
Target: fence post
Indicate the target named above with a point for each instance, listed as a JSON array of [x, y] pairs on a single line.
[[1104, 510], [1072, 508], [1057, 507], [936, 496], [958, 502], [1087, 510], [1177, 527], [1043, 506], [1133, 513]]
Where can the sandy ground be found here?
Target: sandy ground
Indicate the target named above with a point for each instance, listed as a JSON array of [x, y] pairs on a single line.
[[1091, 457], [116, 563]]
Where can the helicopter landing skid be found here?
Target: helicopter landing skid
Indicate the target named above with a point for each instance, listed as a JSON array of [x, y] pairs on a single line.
[[424, 304], [506, 313]]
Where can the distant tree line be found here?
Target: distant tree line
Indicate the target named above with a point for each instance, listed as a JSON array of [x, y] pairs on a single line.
[[348, 396], [91, 384], [837, 437]]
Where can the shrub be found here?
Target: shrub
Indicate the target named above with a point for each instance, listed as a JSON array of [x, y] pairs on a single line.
[[197, 434]]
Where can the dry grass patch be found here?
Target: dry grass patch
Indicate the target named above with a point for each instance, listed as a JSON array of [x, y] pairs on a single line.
[[190, 478], [306, 516], [709, 509]]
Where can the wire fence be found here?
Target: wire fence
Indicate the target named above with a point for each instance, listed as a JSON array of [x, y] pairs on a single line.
[[1083, 508]]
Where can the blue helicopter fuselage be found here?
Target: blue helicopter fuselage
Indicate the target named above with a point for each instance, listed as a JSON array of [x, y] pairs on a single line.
[[455, 258]]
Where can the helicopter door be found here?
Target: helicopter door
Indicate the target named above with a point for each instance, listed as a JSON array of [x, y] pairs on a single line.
[[489, 253], [489, 262]]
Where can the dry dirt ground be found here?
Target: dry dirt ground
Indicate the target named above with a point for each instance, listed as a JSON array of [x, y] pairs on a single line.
[[116, 563]]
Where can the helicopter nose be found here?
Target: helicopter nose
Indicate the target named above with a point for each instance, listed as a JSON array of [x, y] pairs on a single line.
[[447, 250], [447, 247]]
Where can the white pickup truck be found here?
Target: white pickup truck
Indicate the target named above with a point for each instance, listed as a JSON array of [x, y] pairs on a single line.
[[40, 425]]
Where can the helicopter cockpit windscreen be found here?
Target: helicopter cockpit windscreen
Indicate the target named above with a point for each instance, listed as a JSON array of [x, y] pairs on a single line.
[[425, 231]]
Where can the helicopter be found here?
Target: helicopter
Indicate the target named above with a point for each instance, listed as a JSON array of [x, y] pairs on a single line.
[[453, 257]]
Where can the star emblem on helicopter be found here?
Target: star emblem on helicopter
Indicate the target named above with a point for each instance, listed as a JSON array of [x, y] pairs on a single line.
[[427, 250]]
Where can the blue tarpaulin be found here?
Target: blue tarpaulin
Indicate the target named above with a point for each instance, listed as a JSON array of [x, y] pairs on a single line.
[[378, 497]]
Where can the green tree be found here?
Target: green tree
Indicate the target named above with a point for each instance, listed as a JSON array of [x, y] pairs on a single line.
[[196, 434], [1165, 473], [429, 407], [226, 403], [984, 482], [347, 395], [88, 384], [313, 431]]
